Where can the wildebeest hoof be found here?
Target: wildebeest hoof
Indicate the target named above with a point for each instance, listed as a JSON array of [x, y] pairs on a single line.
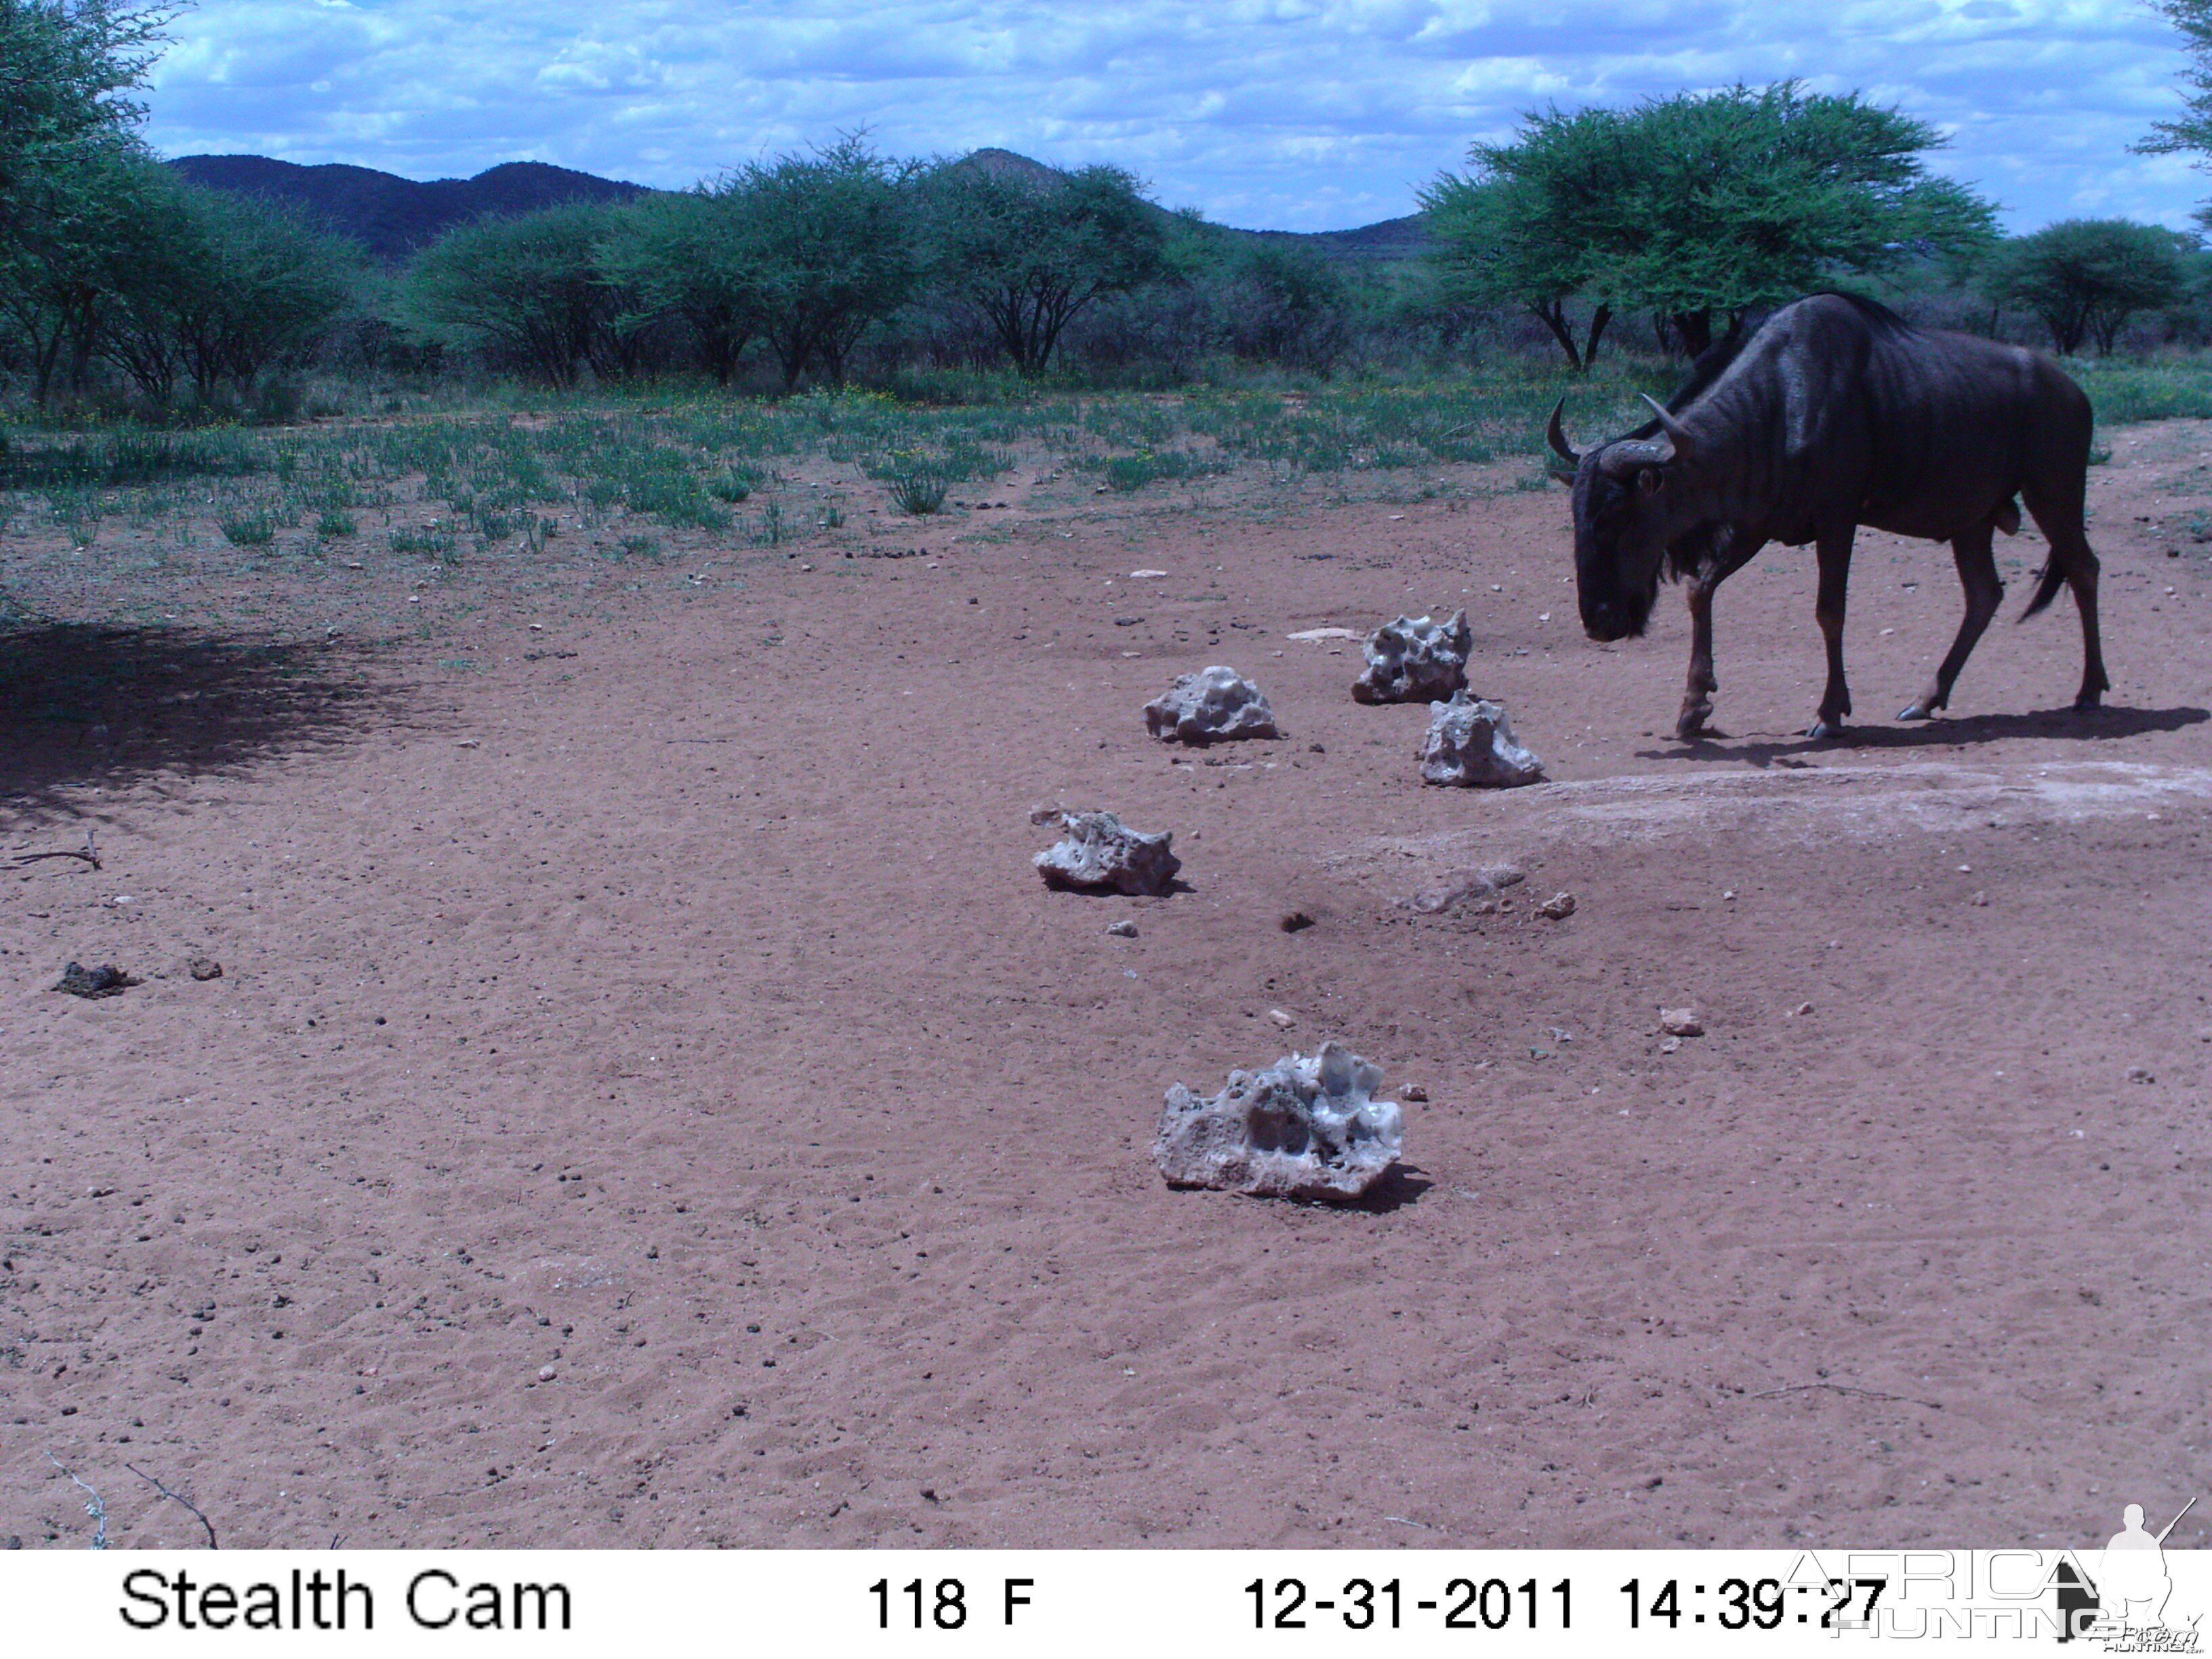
[[1824, 729], [1692, 725], [1917, 711], [2088, 702]]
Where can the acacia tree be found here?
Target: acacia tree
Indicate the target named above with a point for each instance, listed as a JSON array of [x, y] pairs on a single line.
[[693, 255], [2085, 278], [2190, 132], [1031, 249], [1497, 240], [70, 168], [831, 241], [65, 67], [84, 225], [1699, 205], [529, 288], [253, 283]]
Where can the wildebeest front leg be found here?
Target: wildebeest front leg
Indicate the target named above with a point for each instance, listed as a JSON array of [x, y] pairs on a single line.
[[1729, 552], [1835, 553], [1697, 694], [1977, 575]]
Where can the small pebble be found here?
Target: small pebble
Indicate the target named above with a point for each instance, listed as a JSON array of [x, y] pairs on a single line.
[[1414, 1091], [546, 1373], [1558, 907], [1122, 929], [1281, 1018], [1668, 1045], [2140, 1075], [1680, 1022], [205, 967]]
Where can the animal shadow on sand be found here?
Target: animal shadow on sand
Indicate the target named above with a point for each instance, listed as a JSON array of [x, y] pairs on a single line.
[[83, 704], [2067, 724]]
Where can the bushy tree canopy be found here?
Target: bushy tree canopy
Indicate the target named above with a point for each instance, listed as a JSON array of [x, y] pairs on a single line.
[[65, 66], [1031, 250], [833, 240], [1697, 203], [528, 288], [2191, 130], [696, 256], [2084, 278]]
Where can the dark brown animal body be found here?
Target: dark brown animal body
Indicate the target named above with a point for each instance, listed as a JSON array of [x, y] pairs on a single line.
[[1837, 413]]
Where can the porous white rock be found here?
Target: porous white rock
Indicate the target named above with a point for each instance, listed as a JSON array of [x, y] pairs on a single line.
[[1209, 707], [1415, 659], [1470, 743], [1307, 1127], [1096, 853]]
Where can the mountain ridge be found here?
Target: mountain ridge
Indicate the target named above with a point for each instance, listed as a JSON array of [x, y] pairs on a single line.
[[392, 215]]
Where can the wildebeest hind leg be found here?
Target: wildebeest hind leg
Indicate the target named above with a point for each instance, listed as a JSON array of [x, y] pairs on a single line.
[[2058, 515], [1835, 549], [2081, 577], [1977, 575]]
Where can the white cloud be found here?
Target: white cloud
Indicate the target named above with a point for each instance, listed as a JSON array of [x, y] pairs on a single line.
[[1305, 114]]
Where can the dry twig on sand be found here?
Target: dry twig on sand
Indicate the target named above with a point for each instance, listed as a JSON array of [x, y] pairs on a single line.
[[179, 1498], [1846, 1388], [88, 853]]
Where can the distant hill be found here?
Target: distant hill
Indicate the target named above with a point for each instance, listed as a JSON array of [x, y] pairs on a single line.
[[392, 215], [1385, 240]]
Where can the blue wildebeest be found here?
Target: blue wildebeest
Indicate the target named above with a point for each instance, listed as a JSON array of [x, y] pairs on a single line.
[[1834, 413]]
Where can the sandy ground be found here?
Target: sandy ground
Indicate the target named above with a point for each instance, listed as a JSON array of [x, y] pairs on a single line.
[[650, 1099]]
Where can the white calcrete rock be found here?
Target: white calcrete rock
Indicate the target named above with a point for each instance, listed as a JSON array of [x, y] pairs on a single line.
[[1307, 1127], [1210, 706], [1096, 853], [1470, 743], [1414, 660]]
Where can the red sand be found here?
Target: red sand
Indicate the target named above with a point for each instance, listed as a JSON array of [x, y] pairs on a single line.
[[651, 1100]]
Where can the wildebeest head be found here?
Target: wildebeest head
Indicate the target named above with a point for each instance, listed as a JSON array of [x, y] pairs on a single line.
[[1625, 514]]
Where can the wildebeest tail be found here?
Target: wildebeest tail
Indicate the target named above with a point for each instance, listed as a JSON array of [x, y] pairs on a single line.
[[2046, 587]]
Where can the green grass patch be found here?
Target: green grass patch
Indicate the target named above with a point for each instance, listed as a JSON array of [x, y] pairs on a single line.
[[2163, 389], [433, 539], [1126, 472], [133, 456], [918, 492]]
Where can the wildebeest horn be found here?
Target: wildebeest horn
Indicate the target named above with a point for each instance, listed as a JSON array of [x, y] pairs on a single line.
[[1677, 435], [1558, 434]]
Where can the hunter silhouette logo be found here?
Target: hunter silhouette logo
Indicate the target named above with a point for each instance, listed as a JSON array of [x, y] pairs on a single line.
[[2122, 1605]]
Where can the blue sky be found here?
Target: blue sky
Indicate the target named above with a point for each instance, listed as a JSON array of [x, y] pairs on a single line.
[[1294, 114]]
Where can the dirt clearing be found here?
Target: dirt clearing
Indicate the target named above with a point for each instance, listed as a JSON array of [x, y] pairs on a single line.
[[650, 1099]]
